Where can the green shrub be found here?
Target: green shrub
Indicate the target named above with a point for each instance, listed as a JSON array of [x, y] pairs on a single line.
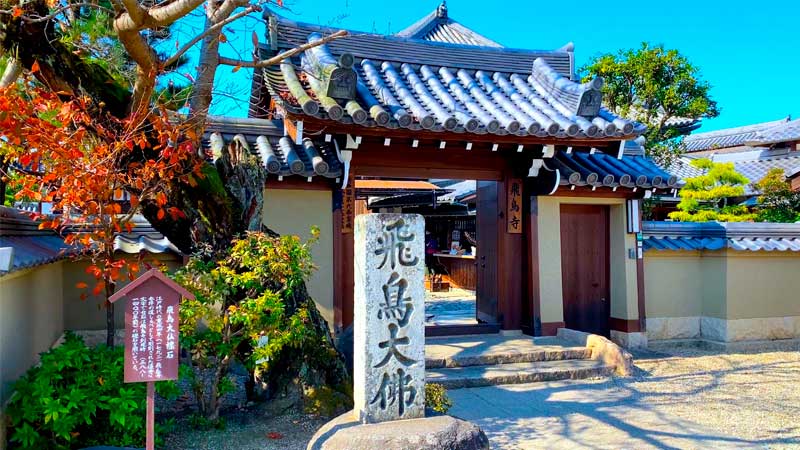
[[241, 311], [77, 398], [436, 398]]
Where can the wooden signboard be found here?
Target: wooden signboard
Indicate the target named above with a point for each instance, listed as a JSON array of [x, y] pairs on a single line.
[[514, 206], [152, 350], [348, 209]]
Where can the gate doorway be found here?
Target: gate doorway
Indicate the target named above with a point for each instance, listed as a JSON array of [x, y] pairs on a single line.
[[461, 245], [585, 267]]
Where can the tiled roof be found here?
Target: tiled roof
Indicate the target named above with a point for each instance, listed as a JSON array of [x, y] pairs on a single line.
[[439, 27], [783, 132], [422, 85], [32, 246], [579, 168], [754, 168], [143, 238], [281, 156], [716, 236], [729, 137], [290, 34]]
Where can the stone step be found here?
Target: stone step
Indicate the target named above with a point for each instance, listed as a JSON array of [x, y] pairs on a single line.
[[518, 373], [488, 350]]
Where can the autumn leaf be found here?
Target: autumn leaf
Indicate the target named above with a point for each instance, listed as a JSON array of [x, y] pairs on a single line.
[[223, 38], [35, 67], [160, 214], [81, 285], [236, 69], [17, 11]]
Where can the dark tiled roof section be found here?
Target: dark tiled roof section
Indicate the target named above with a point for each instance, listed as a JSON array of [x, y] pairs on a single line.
[[290, 34], [435, 98], [32, 247], [439, 27], [753, 169], [729, 137], [783, 132], [280, 156], [743, 236], [602, 170]]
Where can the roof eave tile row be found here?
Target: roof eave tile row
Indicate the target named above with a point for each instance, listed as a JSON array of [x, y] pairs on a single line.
[[446, 100], [749, 236], [598, 169], [280, 156]]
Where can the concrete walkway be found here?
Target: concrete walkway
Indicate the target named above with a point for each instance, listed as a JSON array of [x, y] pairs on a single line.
[[595, 414]]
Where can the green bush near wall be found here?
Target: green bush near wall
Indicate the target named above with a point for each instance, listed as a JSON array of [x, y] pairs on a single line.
[[77, 398]]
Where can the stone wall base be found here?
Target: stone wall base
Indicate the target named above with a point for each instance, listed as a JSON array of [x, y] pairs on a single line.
[[722, 330], [738, 346], [629, 340]]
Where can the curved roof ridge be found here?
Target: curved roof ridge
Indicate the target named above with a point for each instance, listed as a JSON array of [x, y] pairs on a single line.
[[782, 132], [738, 130], [729, 137], [326, 29], [437, 26]]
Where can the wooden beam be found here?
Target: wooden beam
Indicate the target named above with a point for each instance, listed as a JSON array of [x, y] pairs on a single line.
[[426, 163], [640, 288], [510, 262], [343, 270], [600, 192], [625, 325], [532, 306]]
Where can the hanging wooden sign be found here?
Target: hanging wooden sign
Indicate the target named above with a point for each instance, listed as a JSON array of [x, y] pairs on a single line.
[[152, 350], [348, 209], [514, 206]]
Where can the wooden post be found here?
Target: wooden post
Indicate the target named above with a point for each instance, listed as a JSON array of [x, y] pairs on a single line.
[[150, 416]]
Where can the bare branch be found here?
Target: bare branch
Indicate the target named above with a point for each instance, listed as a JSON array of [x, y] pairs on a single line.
[[135, 11], [165, 15], [176, 56], [284, 55], [156, 17], [12, 72], [225, 9]]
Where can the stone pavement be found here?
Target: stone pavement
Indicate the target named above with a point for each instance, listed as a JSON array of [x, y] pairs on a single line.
[[596, 414], [454, 307]]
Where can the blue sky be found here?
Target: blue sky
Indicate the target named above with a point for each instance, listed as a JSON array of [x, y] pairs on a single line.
[[748, 51]]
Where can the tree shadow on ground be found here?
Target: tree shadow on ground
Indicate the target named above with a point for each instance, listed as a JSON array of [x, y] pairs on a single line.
[[627, 412]]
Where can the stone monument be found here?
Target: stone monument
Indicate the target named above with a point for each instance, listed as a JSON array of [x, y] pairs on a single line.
[[389, 310], [389, 348]]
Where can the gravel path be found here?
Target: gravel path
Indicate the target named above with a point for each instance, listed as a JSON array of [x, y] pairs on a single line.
[[677, 399], [752, 396], [680, 398], [261, 428]]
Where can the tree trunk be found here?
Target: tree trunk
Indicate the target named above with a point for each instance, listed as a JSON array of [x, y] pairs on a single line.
[[226, 201]]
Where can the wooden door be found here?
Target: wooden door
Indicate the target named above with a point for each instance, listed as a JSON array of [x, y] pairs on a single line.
[[486, 258], [585, 267]]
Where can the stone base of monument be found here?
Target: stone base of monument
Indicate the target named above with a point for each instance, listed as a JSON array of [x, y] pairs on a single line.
[[430, 433]]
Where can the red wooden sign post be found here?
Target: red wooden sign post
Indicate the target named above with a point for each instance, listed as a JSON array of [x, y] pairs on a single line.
[[151, 334]]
